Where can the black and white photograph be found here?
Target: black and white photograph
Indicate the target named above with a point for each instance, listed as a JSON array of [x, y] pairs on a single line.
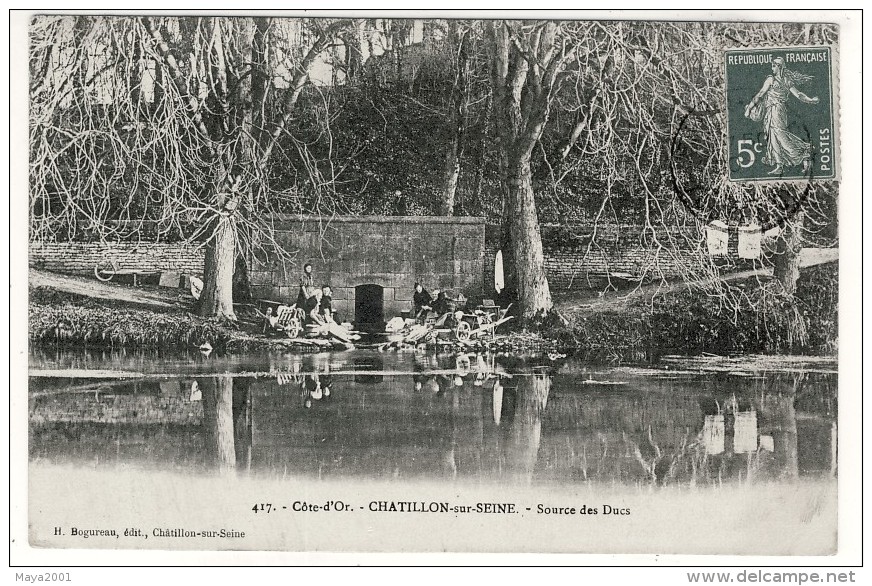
[[412, 283]]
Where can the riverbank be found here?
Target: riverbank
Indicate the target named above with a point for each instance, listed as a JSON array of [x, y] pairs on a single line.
[[72, 319], [643, 328], [761, 320], [60, 317]]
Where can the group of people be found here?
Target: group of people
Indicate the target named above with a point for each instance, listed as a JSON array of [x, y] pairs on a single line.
[[317, 304], [423, 302]]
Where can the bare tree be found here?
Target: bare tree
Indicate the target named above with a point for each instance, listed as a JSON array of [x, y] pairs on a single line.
[[193, 125], [458, 105], [526, 60], [171, 121], [640, 118]]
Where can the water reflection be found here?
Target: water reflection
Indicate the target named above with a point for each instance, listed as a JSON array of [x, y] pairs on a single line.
[[218, 421], [227, 421], [469, 417]]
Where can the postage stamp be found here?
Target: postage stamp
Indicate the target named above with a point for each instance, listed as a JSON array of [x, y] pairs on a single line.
[[780, 114]]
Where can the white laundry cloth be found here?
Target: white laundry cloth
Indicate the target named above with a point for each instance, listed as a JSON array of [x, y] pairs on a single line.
[[196, 393], [749, 241], [745, 432], [772, 232], [713, 434], [499, 278], [717, 237]]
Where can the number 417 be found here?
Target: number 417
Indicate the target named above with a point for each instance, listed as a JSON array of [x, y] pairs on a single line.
[[746, 156]]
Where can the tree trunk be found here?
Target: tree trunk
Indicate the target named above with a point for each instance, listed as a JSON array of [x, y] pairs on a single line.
[[252, 90], [217, 296], [241, 281], [534, 295], [354, 57], [523, 81], [509, 294], [458, 112], [485, 145], [787, 253], [452, 173]]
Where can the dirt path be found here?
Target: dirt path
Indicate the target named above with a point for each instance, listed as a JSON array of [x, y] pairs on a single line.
[[617, 300], [98, 290], [579, 306]]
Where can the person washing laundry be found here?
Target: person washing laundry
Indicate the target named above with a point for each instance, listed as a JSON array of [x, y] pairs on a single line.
[[307, 286], [421, 300]]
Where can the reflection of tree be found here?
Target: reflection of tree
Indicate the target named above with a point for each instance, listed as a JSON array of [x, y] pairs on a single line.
[[525, 432], [647, 452], [779, 415], [242, 421], [218, 419], [730, 444]]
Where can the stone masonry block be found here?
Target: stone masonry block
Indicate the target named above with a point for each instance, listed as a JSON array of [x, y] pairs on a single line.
[[340, 279], [395, 308], [343, 308], [170, 279], [286, 293]]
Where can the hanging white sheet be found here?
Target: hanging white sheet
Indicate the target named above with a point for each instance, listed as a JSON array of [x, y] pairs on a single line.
[[713, 434], [745, 432], [749, 241], [499, 278], [717, 237]]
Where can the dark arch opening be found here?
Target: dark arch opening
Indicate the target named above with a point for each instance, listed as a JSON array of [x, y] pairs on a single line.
[[369, 307]]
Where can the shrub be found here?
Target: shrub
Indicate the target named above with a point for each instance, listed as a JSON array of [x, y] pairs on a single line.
[[690, 322]]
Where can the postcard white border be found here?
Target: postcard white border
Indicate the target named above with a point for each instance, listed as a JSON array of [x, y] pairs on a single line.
[[849, 356]]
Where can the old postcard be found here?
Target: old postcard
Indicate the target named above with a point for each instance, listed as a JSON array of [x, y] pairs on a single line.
[[402, 283]]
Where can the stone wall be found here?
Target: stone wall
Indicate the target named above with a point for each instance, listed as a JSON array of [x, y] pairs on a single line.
[[392, 252], [171, 407], [624, 252], [82, 257]]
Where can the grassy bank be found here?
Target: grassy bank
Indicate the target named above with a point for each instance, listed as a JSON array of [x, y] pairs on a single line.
[[69, 319], [680, 322], [76, 320], [691, 323]]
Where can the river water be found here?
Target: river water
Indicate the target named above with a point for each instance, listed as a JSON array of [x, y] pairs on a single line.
[[446, 422]]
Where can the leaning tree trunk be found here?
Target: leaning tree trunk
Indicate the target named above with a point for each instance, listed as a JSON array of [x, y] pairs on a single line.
[[534, 294], [217, 296], [788, 252]]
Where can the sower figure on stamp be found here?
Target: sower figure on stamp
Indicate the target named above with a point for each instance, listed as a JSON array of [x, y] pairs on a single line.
[[783, 148]]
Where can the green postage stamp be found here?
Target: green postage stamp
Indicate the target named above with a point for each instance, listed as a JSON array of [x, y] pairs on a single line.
[[781, 124]]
